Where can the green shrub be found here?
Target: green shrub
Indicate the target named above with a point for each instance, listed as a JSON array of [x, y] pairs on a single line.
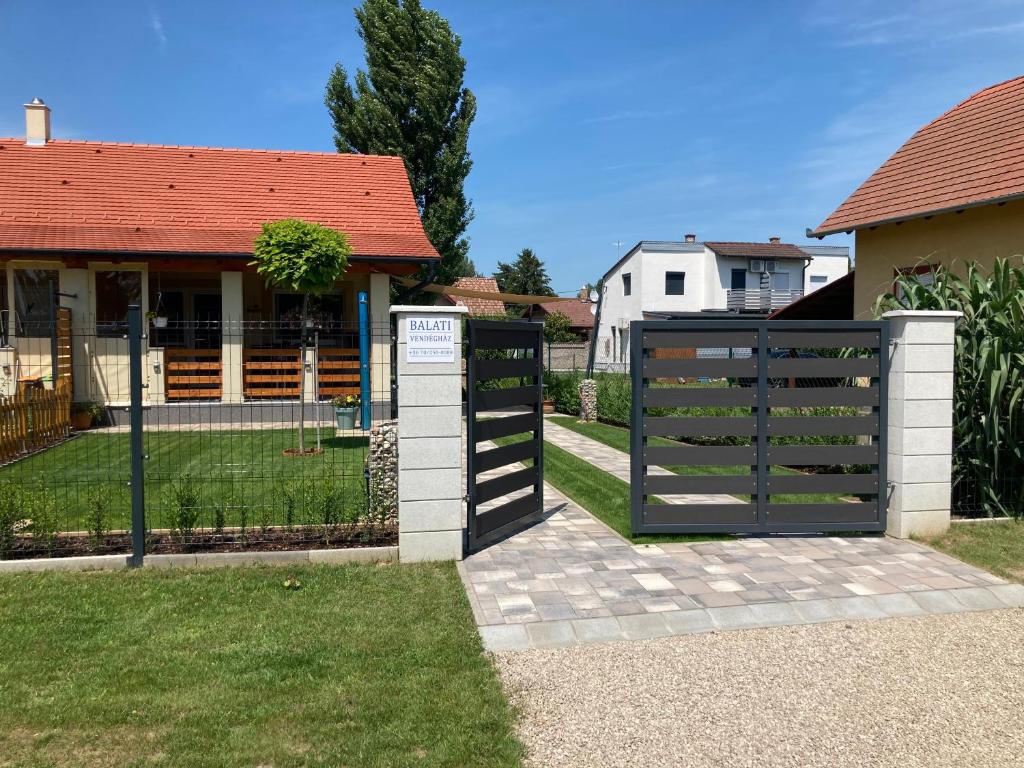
[[185, 503], [988, 396], [564, 390], [614, 398], [98, 504], [12, 517]]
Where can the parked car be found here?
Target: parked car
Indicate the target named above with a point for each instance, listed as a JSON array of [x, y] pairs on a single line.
[[783, 383]]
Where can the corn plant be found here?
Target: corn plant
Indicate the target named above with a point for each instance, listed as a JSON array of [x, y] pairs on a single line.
[[988, 399]]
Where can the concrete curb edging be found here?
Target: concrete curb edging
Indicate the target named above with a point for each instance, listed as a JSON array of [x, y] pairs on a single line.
[[555, 634], [205, 560]]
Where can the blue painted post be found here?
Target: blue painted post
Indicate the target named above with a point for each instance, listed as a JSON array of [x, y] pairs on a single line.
[[364, 359]]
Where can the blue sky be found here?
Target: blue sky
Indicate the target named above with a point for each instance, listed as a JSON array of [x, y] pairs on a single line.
[[598, 122]]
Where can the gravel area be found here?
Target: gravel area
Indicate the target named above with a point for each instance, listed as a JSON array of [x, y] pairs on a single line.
[[932, 691]]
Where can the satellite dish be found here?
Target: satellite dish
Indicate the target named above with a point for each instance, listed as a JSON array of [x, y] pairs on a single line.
[[593, 295], [593, 309]]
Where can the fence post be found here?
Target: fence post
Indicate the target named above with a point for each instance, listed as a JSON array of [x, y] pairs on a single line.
[[920, 428], [364, 360], [135, 414], [430, 454]]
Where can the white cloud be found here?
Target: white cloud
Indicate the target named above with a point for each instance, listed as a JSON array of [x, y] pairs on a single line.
[[158, 27]]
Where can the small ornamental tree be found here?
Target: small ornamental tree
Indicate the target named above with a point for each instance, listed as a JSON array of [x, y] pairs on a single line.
[[558, 327], [307, 258]]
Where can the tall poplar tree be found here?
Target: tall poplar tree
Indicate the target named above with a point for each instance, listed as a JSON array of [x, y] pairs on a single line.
[[410, 101]]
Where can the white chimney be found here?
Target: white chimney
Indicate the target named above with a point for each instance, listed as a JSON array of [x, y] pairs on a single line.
[[37, 123], [775, 240], [690, 238]]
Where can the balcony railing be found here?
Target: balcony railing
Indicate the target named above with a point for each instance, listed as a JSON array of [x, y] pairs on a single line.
[[760, 300]]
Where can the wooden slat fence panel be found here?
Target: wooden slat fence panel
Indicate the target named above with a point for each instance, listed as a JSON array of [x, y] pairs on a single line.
[[274, 373], [193, 374], [338, 372], [34, 418]]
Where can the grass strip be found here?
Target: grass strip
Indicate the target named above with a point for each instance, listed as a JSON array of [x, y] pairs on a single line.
[[603, 495], [362, 665], [996, 547], [618, 438]]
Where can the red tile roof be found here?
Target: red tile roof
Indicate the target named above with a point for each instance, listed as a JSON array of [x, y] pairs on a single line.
[[477, 306], [758, 250], [971, 155], [577, 311], [145, 198]]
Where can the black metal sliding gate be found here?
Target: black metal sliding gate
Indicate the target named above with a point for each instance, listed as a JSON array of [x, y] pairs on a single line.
[[503, 376], [763, 426]]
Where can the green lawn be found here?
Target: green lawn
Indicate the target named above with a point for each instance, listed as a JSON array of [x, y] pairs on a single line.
[[362, 666], [618, 438], [997, 547], [244, 468], [603, 495]]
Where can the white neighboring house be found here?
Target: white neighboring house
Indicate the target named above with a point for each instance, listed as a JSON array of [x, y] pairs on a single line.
[[659, 279]]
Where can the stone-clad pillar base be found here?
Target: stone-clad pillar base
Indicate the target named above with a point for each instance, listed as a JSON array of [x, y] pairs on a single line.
[[431, 511], [920, 429]]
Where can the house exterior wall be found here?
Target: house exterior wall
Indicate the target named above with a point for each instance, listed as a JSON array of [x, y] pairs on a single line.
[[100, 364], [828, 262], [707, 283], [982, 234]]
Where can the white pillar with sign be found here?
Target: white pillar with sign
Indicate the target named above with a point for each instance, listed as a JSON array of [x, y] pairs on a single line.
[[430, 455]]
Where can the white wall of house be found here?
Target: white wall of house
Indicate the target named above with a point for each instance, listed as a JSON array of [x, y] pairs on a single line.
[[707, 280], [828, 263]]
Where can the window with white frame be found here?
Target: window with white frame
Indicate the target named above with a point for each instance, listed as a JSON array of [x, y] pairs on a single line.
[[818, 280]]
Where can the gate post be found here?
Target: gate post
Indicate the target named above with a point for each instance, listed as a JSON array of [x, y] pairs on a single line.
[[430, 455], [920, 427]]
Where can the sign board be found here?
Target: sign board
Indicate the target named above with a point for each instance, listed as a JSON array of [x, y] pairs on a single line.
[[430, 339]]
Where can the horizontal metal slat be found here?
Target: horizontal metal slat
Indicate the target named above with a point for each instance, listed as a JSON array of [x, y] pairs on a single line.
[[506, 369], [506, 454], [811, 397], [489, 429], [822, 484], [823, 339], [499, 486], [740, 426], [495, 518], [700, 514], [822, 455], [654, 368], [821, 367], [682, 397], [812, 426], [505, 398], [672, 484], [853, 512], [699, 455], [686, 340], [484, 338]]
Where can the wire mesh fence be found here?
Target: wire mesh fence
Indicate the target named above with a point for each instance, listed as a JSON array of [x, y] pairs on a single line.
[[252, 435]]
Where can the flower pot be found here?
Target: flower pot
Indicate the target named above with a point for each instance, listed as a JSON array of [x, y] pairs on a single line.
[[81, 420], [549, 406], [346, 417], [159, 322]]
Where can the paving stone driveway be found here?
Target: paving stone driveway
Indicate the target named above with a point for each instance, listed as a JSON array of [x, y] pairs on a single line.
[[570, 579]]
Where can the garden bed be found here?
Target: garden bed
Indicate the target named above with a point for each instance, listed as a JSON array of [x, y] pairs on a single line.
[[166, 543]]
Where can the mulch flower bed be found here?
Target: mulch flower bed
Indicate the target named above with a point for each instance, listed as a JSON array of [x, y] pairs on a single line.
[[166, 543]]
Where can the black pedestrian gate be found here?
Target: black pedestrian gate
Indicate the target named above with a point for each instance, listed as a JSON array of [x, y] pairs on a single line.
[[763, 426], [504, 379]]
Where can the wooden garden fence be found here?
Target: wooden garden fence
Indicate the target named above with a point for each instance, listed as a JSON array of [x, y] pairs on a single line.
[[34, 418]]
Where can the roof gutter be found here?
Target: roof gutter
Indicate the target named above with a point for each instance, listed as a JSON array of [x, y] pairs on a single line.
[[822, 233]]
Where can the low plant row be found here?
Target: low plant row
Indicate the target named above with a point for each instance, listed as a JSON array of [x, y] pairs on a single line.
[[190, 515]]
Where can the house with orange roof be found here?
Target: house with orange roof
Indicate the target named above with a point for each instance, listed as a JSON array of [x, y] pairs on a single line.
[[477, 305], [580, 313], [90, 227], [953, 192]]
